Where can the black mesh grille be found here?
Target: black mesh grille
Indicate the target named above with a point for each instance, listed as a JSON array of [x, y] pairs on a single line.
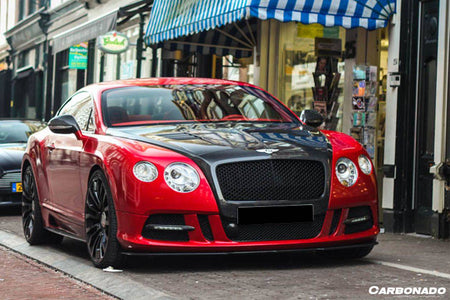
[[206, 227], [356, 212], [272, 180], [165, 235], [335, 221], [274, 231]]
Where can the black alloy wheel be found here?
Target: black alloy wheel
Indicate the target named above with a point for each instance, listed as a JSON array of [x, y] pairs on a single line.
[[32, 222], [101, 223]]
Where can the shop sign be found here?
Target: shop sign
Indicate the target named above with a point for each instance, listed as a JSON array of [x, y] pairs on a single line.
[[113, 42], [328, 47], [78, 56], [309, 31]]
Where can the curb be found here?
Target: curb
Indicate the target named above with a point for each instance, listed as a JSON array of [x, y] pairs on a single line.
[[114, 284]]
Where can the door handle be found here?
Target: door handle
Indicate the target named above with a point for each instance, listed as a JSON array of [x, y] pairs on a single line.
[[50, 147]]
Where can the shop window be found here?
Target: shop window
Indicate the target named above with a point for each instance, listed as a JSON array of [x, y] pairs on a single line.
[[312, 70], [21, 9], [71, 65], [32, 6], [23, 59], [238, 69]]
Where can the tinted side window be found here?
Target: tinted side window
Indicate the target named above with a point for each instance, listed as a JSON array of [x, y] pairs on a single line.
[[80, 107]]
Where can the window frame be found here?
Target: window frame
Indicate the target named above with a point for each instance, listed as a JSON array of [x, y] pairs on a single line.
[[91, 112]]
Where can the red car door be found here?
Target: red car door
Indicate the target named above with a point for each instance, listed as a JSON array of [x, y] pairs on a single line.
[[63, 162]]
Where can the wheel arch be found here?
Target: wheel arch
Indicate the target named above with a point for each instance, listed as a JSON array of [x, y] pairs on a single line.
[[109, 177], [27, 162]]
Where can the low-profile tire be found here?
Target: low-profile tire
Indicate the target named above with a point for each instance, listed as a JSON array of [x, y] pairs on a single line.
[[32, 221], [101, 223], [349, 253]]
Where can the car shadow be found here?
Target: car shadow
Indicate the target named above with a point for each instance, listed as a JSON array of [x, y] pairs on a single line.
[[207, 262], [220, 262], [256, 261]]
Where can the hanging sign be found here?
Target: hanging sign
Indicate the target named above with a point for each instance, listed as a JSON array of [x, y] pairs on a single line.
[[113, 42], [78, 56]]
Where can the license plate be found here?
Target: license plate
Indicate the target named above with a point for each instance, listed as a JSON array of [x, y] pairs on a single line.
[[16, 187], [275, 214]]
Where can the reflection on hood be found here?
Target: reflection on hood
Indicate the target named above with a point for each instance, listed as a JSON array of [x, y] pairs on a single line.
[[201, 139]]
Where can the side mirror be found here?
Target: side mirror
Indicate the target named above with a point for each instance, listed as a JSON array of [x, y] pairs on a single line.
[[65, 124], [311, 118]]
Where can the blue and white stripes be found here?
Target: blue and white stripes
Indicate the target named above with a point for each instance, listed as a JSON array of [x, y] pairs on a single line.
[[171, 19]]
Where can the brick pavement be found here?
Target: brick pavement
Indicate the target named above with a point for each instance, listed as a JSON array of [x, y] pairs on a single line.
[[23, 278]]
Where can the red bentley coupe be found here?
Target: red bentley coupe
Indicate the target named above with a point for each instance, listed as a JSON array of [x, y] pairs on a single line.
[[195, 165]]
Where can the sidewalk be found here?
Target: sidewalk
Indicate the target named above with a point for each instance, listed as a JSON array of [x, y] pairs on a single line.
[[412, 250], [23, 278]]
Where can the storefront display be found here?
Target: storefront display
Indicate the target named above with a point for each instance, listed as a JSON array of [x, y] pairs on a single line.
[[313, 70], [364, 106]]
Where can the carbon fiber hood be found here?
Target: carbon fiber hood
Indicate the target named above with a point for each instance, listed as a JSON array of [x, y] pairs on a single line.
[[228, 140]]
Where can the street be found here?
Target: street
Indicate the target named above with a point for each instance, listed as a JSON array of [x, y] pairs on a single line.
[[424, 263]]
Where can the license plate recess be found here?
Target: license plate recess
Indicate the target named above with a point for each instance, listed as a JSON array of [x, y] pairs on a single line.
[[275, 214]]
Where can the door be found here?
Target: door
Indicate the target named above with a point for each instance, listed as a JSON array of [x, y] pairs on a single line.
[[447, 162], [63, 165], [426, 105]]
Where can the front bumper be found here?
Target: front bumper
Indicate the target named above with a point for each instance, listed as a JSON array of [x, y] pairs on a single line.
[[7, 196], [334, 232], [10, 199]]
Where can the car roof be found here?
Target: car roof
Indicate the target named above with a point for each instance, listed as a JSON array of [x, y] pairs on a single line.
[[165, 81]]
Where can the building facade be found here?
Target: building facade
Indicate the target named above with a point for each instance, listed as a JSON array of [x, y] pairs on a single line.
[[417, 153], [7, 21], [44, 38]]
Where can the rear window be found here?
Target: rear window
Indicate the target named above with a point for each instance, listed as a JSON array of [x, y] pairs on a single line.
[[213, 103]]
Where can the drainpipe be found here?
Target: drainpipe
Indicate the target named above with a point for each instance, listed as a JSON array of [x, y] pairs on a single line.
[[43, 23], [102, 66], [140, 46]]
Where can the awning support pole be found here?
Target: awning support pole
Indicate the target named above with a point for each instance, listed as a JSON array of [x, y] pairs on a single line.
[[234, 38], [244, 35]]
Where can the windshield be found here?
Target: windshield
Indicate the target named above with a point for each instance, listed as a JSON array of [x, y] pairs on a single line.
[[17, 132], [190, 103]]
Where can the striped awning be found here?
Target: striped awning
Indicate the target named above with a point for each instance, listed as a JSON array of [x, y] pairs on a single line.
[[171, 19]]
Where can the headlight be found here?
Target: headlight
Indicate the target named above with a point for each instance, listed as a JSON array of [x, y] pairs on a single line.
[[364, 164], [145, 171], [181, 177], [346, 171]]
